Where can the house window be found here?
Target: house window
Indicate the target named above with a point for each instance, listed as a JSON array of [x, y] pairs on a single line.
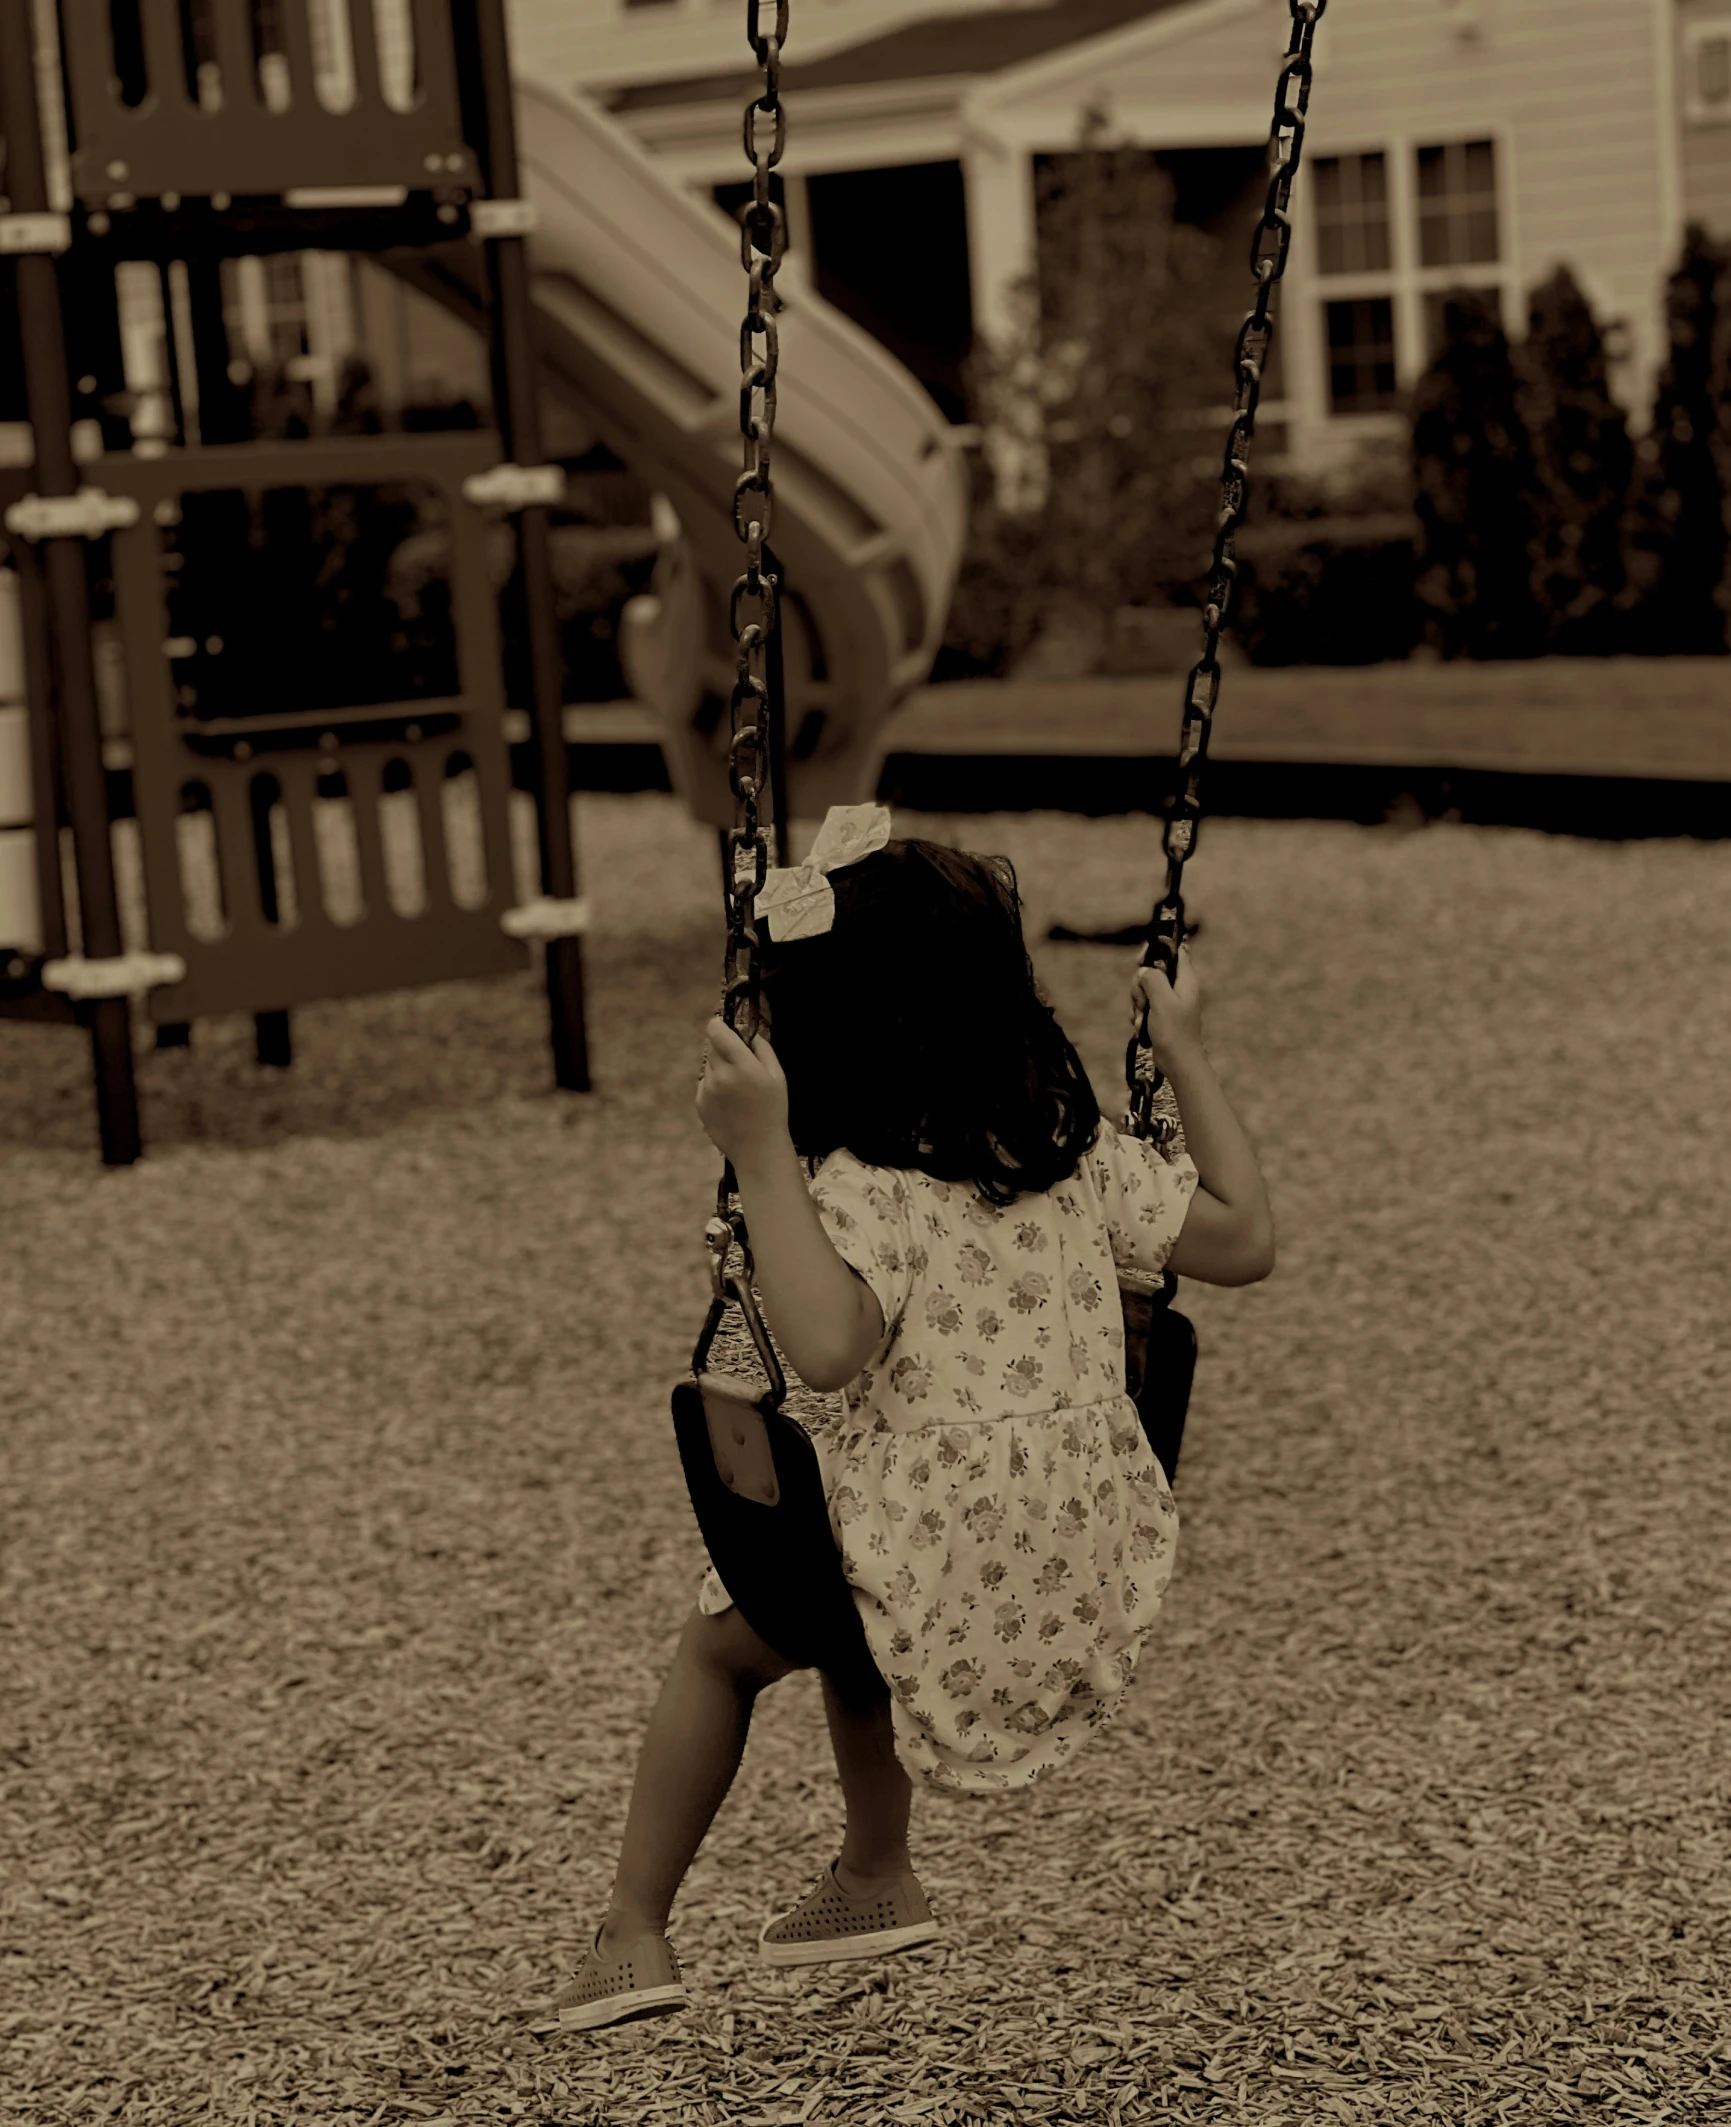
[[1457, 204], [1398, 232], [1707, 72], [1361, 373], [1357, 242], [1350, 202]]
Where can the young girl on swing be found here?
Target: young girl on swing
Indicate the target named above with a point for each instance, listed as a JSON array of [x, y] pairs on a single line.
[[950, 1267]]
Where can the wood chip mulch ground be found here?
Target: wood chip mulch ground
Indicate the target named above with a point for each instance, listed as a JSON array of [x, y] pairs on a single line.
[[342, 1547]]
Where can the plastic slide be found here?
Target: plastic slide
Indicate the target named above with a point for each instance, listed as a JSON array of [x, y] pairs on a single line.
[[639, 294]]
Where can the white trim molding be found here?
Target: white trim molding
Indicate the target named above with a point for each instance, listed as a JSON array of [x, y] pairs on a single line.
[[868, 126]]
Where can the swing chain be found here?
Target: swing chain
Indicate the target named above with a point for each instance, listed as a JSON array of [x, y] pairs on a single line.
[[753, 610], [762, 242], [1269, 248], [725, 1232]]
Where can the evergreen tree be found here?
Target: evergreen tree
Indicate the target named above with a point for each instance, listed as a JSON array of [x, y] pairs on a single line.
[[1584, 460], [1676, 534], [1475, 483]]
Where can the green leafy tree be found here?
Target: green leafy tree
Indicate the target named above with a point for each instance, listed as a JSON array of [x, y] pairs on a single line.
[[1676, 535], [1099, 473], [1475, 487], [1584, 459]]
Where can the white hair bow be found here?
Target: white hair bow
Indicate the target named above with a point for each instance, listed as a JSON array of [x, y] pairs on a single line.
[[798, 901]]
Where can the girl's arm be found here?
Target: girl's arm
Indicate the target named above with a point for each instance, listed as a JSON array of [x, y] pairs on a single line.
[[825, 1316], [1228, 1234]]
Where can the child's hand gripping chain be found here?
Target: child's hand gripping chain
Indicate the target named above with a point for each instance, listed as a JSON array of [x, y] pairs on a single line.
[[826, 1318], [1174, 1009], [1228, 1234], [742, 1096]]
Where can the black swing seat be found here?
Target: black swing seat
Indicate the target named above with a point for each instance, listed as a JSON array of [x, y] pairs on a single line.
[[756, 1488], [757, 1491], [1159, 1367]]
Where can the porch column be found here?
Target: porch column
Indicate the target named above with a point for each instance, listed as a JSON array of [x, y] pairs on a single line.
[[999, 181], [1003, 250]]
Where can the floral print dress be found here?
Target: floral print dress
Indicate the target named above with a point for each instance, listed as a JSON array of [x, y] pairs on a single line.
[[1004, 1524]]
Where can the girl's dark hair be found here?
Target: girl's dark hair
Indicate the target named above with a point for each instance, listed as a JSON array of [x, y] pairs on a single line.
[[914, 1032]]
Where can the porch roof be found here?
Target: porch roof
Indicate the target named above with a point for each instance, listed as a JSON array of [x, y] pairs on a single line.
[[977, 44]]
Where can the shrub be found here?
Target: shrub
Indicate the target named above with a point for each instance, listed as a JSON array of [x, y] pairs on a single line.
[[1334, 590], [1676, 538], [339, 596], [1583, 460], [995, 611], [1476, 485]]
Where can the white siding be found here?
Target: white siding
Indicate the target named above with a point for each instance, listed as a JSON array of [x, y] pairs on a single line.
[[1572, 92], [1192, 77]]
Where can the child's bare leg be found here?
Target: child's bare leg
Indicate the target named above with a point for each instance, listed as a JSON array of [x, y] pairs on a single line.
[[691, 1752], [878, 1793]]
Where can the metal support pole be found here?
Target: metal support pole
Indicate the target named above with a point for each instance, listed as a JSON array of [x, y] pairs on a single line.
[[91, 310], [272, 1032], [224, 416], [171, 353], [177, 1033], [48, 786], [48, 390], [224, 407], [518, 412]]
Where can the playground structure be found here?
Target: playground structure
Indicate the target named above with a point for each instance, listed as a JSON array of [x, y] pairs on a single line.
[[636, 287], [195, 136]]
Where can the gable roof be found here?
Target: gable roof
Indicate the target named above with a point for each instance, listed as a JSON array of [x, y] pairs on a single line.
[[974, 44]]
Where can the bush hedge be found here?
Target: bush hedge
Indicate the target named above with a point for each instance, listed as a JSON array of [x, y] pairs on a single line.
[[1334, 590], [340, 595], [1519, 517]]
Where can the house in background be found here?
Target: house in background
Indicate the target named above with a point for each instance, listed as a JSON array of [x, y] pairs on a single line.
[[1477, 142]]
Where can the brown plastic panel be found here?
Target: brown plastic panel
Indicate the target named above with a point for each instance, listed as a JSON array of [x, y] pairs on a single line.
[[172, 143], [263, 966]]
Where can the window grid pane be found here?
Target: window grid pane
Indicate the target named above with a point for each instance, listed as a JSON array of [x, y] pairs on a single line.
[[1361, 371], [1713, 70], [1457, 204], [1350, 202]]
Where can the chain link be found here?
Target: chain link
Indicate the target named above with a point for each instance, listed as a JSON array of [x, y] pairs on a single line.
[[1269, 248], [754, 608]]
